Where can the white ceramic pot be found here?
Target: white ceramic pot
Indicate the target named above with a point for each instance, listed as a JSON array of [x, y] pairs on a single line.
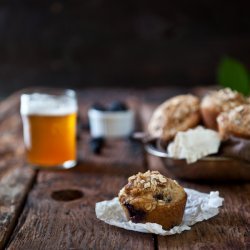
[[111, 124]]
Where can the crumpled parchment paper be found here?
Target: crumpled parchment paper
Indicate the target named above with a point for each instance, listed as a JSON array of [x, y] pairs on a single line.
[[199, 207]]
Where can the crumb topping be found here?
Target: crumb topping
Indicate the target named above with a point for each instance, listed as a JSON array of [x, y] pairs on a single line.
[[236, 121], [147, 190], [169, 116], [223, 99]]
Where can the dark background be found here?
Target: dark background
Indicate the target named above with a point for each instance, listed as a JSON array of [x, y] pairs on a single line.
[[83, 43]]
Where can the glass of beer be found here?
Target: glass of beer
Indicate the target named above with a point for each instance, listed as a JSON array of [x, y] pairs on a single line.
[[49, 127]]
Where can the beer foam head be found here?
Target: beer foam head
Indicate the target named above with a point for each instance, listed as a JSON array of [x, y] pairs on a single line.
[[44, 104]]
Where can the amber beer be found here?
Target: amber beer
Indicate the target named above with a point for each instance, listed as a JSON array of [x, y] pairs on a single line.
[[49, 128]]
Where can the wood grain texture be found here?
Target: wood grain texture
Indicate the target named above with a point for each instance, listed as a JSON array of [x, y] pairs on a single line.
[[228, 230], [14, 186], [46, 223], [49, 224], [15, 177], [118, 156]]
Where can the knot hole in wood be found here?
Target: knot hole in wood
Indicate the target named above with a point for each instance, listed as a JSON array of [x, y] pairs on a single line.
[[67, 195]]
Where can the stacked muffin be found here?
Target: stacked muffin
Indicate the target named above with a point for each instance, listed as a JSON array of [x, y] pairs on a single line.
[[225, 111]]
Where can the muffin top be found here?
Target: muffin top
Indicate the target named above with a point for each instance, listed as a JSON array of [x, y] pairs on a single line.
[[235, 122], [176, 114], [147, 190], [222, 100]]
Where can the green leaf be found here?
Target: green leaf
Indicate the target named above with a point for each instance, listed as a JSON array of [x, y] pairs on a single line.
[[233, 74]]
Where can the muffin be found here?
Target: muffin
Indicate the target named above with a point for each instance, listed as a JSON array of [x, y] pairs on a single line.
[[219, 101], [151, 197], [235, 122], [179, 113]]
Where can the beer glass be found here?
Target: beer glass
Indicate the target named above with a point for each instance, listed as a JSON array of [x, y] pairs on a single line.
[[49, 127]]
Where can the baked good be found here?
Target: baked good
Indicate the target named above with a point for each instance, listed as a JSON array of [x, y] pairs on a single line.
[[151, 197], [235, 122], [219, 101], [176, 114]]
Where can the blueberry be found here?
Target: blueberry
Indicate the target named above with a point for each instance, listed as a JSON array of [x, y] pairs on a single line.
[[158, 196], [98, 106], [117, 106], [96, 144], [136, 215]]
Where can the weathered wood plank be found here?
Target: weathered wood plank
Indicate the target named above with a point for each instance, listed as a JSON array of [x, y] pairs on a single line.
[[14, 186], [10, 106], [15, 178], [118, 156], [228, 230], [46, 223], [50, 224]]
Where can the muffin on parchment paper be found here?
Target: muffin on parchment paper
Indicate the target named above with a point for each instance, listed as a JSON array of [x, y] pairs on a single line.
[[151, 197], [217, 102], [179, 113]]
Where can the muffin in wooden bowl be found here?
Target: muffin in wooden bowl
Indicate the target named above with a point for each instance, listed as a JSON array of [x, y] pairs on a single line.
[[151, 197]]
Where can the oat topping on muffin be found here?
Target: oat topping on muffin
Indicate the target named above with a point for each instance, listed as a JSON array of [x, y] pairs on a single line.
[[141, 187], [223, 99], [235, 122], [217, 102], [151, 197], [176, 114]]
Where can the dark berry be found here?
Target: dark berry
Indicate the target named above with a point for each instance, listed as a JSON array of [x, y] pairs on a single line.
[[117, 106], [158, 196], [98, 106], [136, 215], [96, 144], [167, 199]]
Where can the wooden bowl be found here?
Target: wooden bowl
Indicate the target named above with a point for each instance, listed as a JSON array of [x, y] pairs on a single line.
[[208, 168]]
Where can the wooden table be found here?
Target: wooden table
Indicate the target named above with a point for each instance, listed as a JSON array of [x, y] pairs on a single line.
[[56, 209]]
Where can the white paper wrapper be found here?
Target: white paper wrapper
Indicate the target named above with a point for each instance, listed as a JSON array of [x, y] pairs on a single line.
[[199, 207]]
